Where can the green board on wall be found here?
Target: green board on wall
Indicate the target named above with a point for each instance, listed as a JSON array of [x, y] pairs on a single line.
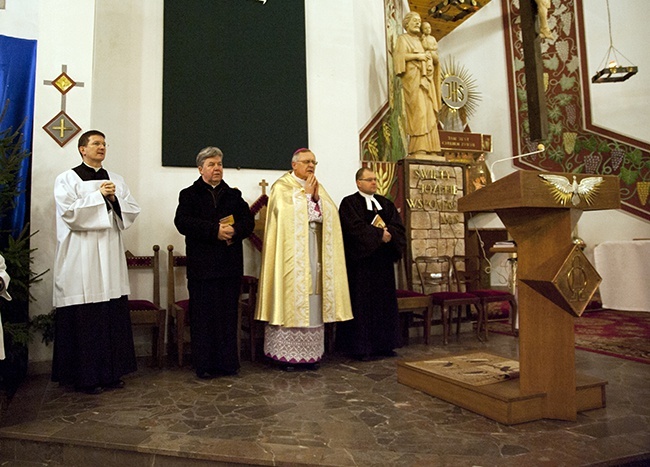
[[234, 76]]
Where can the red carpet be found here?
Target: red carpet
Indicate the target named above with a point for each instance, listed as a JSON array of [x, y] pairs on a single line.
[[621, 334]]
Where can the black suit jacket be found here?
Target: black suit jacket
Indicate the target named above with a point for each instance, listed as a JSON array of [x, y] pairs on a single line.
[[200, 207]]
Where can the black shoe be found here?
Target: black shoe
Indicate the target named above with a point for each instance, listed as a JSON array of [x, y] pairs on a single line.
[[203, 374], [313, 366], [389, 353], [288, 368], [362, 357], [92, 390], [119, 384]]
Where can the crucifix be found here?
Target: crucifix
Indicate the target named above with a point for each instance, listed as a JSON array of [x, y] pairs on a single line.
[[263, 184], [258, 208], [533, 66]]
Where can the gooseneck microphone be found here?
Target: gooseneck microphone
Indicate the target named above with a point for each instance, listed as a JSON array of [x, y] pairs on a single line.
[[540, 148]]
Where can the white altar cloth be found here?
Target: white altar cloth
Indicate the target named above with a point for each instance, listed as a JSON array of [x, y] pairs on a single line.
[[625, 269]]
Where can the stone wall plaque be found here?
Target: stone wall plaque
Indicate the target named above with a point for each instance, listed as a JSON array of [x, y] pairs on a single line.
[[428, 194]]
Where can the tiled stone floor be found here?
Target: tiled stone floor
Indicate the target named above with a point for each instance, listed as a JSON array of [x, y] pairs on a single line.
[[348, 413]]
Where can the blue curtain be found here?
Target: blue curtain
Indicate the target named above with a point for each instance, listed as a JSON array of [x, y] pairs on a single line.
[[17, 83]]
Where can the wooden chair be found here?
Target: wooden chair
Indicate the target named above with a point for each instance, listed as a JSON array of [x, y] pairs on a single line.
[[147, 312], [435, 273], [415, 309], [177, 309], [247, 322], [467, 270]]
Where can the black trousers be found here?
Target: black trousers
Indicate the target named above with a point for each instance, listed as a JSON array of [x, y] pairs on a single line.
[[213, 324]]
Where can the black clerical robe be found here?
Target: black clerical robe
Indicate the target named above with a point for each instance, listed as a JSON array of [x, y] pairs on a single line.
[[371, 277]]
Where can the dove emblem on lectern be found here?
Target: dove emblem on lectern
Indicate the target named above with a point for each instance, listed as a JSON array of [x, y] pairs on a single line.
[[564, 191]]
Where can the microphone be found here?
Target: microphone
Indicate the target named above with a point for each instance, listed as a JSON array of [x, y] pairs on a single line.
[[540, 148]]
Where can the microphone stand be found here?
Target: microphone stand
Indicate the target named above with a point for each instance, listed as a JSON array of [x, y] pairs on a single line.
[[540, 148]]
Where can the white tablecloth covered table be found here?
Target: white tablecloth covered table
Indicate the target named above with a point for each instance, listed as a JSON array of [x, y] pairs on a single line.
[[625, 269]]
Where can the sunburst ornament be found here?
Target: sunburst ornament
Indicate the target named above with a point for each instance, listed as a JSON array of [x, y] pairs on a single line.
[[459, 96]]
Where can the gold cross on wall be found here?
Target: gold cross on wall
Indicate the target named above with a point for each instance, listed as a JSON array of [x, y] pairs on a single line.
[[62, 128], [66, 128]]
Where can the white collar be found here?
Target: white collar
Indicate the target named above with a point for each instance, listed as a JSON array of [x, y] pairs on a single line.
[[370, 200], [299, 180]]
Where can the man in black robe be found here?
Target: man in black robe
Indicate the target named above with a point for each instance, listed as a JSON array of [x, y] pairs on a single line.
[[374, 239], [215, 219]]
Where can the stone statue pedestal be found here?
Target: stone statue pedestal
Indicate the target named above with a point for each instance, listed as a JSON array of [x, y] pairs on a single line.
[[426, 157]]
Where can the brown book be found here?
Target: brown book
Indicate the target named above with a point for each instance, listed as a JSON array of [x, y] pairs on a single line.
[[228, 220], [377, 221]]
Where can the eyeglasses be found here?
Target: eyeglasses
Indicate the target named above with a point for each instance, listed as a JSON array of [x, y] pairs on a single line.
[[309, 162], [368, 179]]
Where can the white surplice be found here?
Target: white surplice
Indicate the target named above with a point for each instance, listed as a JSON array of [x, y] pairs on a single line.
[[90, 265]]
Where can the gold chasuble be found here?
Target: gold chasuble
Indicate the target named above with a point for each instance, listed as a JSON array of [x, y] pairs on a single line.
[[285, 280]]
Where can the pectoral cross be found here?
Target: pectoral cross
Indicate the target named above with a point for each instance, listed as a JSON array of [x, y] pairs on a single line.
[[533, 67]]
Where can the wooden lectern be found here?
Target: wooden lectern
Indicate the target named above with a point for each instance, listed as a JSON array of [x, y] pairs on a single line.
[[555, 283]]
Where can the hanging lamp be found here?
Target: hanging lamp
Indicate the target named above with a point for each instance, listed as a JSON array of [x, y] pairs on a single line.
[[614, 71]]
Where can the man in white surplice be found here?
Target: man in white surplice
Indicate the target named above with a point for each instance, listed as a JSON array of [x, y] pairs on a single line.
[[93, 345]]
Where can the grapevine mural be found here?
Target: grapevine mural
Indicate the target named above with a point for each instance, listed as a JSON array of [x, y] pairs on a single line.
[[573, 144]]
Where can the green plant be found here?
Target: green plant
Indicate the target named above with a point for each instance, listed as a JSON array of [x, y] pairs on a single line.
[[11, 149], [23, 333], [19, 259], [45, 325]]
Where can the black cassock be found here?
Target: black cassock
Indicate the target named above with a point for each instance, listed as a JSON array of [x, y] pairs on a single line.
[[371, 277]]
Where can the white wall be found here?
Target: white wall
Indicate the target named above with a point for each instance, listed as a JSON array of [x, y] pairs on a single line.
[[332, 93], [64, 36], [115, 48], [20, 19], [370, 60]]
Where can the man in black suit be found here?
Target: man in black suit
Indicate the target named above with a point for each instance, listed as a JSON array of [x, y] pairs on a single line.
[[215, 219]]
